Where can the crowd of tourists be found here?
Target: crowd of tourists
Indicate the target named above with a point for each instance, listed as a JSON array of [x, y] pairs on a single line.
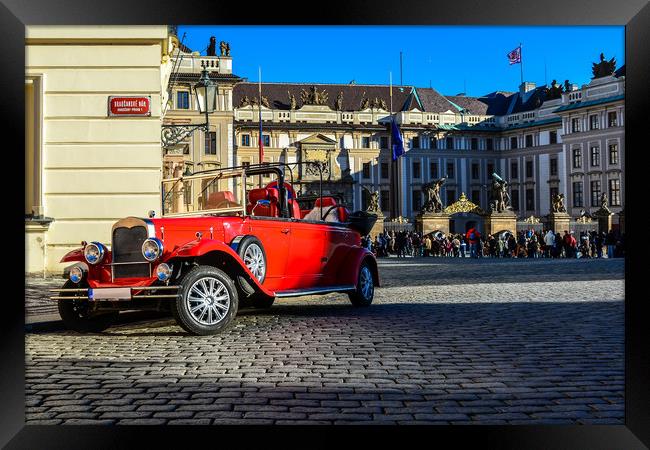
[[525, 244]]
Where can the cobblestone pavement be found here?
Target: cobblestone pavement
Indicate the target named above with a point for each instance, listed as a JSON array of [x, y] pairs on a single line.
[[446, 341]]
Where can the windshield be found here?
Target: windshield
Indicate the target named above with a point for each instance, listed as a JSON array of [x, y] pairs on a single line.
[[222, 191]]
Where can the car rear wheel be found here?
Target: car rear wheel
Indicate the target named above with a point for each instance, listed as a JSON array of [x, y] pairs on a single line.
[[252, 253], [207, 301], [365, 289], [77, 315]]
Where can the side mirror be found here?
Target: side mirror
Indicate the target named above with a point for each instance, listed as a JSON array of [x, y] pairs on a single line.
[[151, 214]]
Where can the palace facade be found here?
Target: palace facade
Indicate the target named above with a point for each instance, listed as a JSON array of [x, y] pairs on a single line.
[[543, 139]]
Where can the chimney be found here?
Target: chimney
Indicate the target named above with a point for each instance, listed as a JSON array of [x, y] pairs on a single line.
[[526, 86]]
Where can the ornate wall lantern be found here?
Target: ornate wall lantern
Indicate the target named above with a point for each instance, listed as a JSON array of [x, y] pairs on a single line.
[[205, 91]]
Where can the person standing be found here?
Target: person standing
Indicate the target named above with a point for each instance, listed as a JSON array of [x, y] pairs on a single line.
[[473, 237], [549, 240], [610, 242]]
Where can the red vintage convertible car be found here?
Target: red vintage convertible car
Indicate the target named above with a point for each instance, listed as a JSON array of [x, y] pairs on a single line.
[[220, 241]]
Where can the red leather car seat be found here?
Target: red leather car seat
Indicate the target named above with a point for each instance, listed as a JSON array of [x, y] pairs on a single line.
[[326, 203], [270, 195], [217, 197], [294, 209]]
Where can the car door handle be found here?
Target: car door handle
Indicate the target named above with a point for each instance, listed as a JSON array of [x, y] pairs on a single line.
[[285, 230], [323, 259]]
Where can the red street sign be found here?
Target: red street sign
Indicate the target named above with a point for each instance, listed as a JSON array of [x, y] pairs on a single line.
[[129, 106]]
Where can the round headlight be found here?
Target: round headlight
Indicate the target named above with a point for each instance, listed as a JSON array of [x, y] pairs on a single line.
[[152, 248], [76, 274], [94, 252], [163, 272]]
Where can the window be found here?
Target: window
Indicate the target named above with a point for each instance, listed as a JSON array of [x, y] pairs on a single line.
[[266, 140], [182, 100], [513, 142], [245, 163], [577, 158], [211, 143], [383, 142], [593, 122], [384, 200], [615, 192], [366, 170], [529, 169], [474, 144], [595, 193], [384, 170], [529, 140], [417, 199], [613, 153], [595, 156], [246, 140], [415, 142], [514, 169], [433, 142], [475, 171], [451, 196], [577, 194], [575, 125], [514, 199], [489, 144], [450, 143], [553, 167], [490, 169], [552, 136], [612, 119], [365, 142], [450, 170], [476, 197], [433, 170], [530, 199], [417, 172]]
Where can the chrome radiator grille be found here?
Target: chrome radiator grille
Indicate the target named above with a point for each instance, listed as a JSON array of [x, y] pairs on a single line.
[[128, 261]]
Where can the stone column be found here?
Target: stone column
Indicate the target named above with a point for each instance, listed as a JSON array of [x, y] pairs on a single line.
[[604, 217], [559, 222], [499, 221], [428, 222]]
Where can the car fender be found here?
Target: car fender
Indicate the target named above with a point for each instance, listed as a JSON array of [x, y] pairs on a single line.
[[74, 255], [348, 273], [204, 247]]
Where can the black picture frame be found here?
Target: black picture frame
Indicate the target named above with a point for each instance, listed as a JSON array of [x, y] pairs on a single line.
[[634, 14]]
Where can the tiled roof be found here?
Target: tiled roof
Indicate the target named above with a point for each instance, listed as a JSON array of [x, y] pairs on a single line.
[[534, 100], [278, 96], [589, 103], [434, 101]]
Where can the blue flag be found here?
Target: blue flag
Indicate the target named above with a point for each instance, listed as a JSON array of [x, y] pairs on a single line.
[[398, 142]]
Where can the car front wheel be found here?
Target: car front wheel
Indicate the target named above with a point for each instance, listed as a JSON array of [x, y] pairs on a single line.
[[207, 302], [77, 315], [365, 289]]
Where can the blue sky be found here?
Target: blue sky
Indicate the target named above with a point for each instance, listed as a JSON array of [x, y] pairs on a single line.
[[452, 59]]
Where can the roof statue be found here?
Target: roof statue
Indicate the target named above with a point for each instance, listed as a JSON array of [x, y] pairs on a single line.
[[339, 101], [292, 100], [313, 96], [364, 101], [554, 91], [212, 47], [603, 68], [224, 47]]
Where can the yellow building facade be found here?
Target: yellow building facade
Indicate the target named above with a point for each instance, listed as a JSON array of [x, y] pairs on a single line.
[[85, 168]]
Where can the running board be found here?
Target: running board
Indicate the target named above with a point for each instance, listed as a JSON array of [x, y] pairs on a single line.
[[314, 291]]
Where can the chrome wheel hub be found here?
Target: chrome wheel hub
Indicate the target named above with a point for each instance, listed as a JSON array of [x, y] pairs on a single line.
[[208, 301], [366, 283], [254, 260]]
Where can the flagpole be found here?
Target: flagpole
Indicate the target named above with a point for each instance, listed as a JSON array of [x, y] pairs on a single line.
[[392, 197], [521, 62], [260, 152]]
